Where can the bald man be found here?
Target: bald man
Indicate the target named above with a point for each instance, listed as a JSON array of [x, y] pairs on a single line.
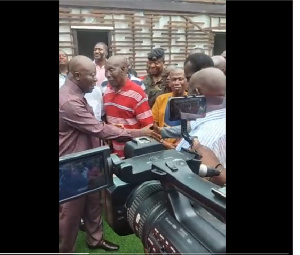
[[210, 130], [125, 102], [220, 63], [79, 130]]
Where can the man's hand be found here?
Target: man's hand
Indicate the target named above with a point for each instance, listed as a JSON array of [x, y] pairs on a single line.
[[219, 180], [156, 128], [146, 131], [119, 125], [209, 158], [168, 145]]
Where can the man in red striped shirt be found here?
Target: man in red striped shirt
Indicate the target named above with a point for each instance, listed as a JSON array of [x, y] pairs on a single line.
[[125, 102]]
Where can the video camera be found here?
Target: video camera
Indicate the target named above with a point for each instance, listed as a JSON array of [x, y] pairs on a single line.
[[158, 195]]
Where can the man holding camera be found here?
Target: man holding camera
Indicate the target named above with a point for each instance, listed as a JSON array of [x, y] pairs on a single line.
[[79, 130], [211, 130]]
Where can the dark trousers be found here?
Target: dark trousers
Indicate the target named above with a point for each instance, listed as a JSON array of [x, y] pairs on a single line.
[[88, 208]]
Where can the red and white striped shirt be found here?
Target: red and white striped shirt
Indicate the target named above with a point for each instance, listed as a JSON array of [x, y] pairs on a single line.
[[129, 107]]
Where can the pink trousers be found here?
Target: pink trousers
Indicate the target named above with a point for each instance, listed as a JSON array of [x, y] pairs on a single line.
[[89, 209]]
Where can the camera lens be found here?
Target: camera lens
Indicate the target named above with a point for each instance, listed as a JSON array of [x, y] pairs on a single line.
[[144, 206]]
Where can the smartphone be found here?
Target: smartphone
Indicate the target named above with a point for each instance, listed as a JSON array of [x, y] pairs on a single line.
[[188, 108], [221, 192]]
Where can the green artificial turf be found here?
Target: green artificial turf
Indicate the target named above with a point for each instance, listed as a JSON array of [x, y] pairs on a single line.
[[128, 244]]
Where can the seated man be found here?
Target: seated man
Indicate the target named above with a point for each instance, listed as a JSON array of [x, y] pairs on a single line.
[[160, 109]]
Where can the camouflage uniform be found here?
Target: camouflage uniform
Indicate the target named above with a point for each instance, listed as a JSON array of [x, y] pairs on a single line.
[[153, 90]]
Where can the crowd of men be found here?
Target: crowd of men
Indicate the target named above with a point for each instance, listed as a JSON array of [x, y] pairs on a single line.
[[104, 102]]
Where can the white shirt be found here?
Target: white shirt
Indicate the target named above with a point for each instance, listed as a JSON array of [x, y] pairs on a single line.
[[62, 79], [211, 132], [95, 100]]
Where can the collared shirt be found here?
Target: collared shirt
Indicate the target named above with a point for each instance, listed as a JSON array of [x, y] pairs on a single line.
[[129, 107], [211, 132], [100, 74], [62, 78], [130, 77], [79, 130], [95, 100]]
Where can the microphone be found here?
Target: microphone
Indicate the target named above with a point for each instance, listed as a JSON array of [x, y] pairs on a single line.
[[205, 171]]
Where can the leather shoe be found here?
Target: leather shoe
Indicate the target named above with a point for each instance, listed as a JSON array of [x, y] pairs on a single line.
[[105, 245], [82, 226]]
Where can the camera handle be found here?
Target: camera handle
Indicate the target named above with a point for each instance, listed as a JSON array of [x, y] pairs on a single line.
[[185, 134]]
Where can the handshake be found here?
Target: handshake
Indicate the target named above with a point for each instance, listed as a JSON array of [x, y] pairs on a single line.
[[150, 131], [209, 158]]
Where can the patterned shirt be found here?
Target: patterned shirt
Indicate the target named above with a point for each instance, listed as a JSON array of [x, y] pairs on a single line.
[[211, 132], [130, 77], [129, 107]]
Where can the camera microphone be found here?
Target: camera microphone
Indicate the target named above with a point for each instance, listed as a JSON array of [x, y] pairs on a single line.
[[205, 171]]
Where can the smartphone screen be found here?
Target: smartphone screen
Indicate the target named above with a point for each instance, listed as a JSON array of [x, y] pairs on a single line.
[[188, 108]]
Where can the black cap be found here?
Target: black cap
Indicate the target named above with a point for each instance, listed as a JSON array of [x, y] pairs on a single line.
[[156, 54]]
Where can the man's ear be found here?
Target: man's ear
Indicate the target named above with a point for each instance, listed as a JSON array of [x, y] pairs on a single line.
[[76, 75]]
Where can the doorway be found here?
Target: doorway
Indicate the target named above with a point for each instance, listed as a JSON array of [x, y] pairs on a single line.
[[219, 43], [86, 39]]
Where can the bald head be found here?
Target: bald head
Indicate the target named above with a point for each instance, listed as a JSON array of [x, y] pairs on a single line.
[[169, 68], [116, 68], [210, 82], [120, 61], [80, 63], [176, 70], [82, 72], [220, 63]]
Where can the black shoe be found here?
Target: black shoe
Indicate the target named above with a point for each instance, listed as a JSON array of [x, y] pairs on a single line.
[[82, 226], [105, 245]]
